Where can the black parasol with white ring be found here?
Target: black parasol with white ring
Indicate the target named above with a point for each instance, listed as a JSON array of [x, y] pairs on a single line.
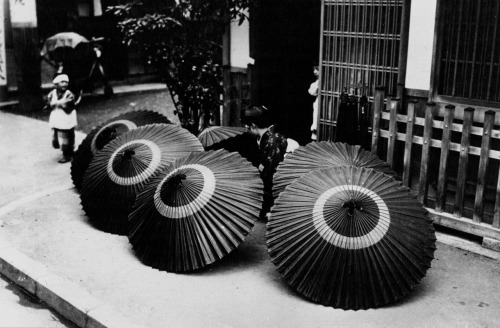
[[120, 170], [106, 132], [196, 211], [350, 238], [317, 155]]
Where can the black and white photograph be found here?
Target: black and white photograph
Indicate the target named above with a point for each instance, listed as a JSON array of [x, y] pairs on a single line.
[[249, 163]]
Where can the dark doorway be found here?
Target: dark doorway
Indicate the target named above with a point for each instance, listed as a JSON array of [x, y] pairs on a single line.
[[285, 43]]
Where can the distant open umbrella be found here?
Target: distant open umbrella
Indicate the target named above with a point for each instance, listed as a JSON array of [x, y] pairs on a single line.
[[62, 40], [350, 238], [316, 155], [106, 132], [196, 211], [120, 170], [215, 134]]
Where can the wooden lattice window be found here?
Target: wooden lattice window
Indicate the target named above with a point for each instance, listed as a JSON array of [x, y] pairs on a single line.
[[469, 60], [360, 46]]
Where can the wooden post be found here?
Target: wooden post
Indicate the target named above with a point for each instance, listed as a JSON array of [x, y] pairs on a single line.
[[443, 162], [393, 131], [25, 39], [401, 92], [3, 55], [423, 187], [410, 123], [403, 48], [226, 78], [378, 105], [489, 121], [436, 52], [458, 207], [238, 85]]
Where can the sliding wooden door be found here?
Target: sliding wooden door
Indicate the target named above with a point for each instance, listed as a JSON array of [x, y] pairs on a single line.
[[363, 44]]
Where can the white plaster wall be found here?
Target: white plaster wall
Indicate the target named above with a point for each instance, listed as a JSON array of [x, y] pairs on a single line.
[[240, 45], [420, 45], [97, 8]]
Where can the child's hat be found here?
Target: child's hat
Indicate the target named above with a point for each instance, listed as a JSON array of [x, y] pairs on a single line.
[[60, 78]]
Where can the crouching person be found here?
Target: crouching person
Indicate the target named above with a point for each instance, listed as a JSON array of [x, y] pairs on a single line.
[[272, 148]]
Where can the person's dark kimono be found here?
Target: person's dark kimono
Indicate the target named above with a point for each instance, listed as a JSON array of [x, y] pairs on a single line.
[[272, 146]]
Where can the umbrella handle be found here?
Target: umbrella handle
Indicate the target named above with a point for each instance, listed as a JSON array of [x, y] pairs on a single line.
[[97, 39], [351, 206]]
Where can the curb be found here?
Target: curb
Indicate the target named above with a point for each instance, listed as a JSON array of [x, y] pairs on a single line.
[[467, 245], [60, 294], [63, 296]]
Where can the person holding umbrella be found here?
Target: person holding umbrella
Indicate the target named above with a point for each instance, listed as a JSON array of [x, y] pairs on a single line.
[[62, 118], [272, 149]]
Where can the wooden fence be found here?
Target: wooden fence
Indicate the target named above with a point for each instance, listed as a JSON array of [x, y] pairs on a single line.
[[452, 163]]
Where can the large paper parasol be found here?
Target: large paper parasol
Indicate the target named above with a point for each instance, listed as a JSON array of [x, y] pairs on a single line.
[[350, 238], [106, 132], [316, 155], [196, 211], [62, 40], [244, 144], [215, 134], [119, 171]]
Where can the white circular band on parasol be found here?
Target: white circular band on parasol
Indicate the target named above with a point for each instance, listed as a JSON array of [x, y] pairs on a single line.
[[130, 125], [153, 165], [178, 212], [332, 237]]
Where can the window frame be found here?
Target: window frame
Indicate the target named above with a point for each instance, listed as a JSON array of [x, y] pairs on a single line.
[[434, 96]]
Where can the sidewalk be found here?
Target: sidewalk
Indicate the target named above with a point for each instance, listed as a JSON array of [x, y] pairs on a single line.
[[48, 247], [118, 89]]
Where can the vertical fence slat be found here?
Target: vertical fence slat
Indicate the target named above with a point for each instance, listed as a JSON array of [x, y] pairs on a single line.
[[410, 123], [458, 206], [489, 119], [423, 187], [443, 162], [391, 141], [378, 105]]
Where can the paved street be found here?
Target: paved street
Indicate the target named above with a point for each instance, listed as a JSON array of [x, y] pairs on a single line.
[[41, 217], [19, 309]]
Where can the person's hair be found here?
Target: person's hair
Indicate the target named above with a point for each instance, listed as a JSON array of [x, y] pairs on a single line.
[[258, 115]]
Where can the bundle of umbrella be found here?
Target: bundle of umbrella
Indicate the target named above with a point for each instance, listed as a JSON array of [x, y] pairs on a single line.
[[343, 232]]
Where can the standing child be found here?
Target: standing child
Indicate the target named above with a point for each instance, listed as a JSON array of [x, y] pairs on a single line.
[[313, 91], [62, 118], [272, 149]]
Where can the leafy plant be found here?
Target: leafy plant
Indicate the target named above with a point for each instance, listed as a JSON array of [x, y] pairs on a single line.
[[183, 39]]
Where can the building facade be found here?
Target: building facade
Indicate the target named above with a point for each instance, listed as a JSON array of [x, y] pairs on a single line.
[[436, 59], [44, 18]]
